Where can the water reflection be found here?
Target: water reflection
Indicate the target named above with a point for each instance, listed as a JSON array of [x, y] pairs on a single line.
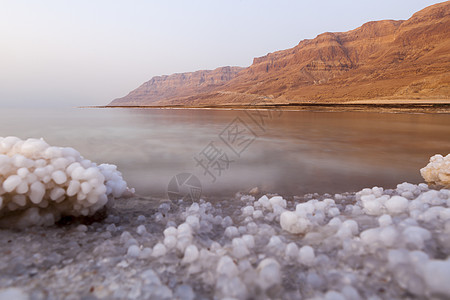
[[296, 153]]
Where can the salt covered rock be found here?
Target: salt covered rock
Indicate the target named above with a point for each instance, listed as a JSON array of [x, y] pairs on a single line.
[[396, 204], [249, 240], [370, 236], [145, 253], [438, 170], [231, 232], [159, 250], [264, 202], [141, 230], [351, 225], [248, 210], [372, 206], [385, 220], [292, 223], [170, 241], [306, 255], [190, 254], [269, 273], [227, 267], [193, 221], [388, 236], [292, 251], [437, 273], [133, 251], [277, 200], [239, 248], [54, 180], [416, 236]]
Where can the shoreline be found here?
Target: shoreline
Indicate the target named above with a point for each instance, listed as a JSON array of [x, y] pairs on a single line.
[[433, 106]]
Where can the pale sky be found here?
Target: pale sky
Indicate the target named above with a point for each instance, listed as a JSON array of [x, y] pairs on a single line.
[[89, 52]]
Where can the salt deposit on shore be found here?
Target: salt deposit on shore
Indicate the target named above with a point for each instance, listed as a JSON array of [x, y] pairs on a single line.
[[438, 170], [374, 244], [40, 183]]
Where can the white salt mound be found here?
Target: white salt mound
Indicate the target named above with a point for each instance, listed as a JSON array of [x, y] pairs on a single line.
[[438, 170], [315, 247], [374, 244], [40, 183]]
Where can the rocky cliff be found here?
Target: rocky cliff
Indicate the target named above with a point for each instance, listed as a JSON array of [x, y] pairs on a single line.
[[379, 60], [178, 85]]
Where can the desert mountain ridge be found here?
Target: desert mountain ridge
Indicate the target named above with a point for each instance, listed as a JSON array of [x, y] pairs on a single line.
[[380, 60]]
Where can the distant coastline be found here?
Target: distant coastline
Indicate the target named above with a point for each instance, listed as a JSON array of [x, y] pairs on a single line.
[[385, 105]]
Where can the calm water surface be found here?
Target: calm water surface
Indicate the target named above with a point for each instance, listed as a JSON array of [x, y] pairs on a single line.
[[289, 153]]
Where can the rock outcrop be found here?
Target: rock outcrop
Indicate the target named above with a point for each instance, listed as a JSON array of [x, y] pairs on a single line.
[[178, 85]]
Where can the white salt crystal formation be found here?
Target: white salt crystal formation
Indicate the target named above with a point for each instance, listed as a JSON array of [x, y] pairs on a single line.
[[39, 183], [313, 247], [438, 170]]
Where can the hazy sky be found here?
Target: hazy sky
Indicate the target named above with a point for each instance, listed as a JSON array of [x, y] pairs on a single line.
[[88, 52]]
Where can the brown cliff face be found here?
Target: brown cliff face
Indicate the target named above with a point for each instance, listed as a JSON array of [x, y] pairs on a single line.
[[379, 60], [178, 85]]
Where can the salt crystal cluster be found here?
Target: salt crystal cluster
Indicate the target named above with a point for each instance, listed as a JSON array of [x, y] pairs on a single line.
[[438, 170], [320, 247], [40, 183], [374, 244]]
